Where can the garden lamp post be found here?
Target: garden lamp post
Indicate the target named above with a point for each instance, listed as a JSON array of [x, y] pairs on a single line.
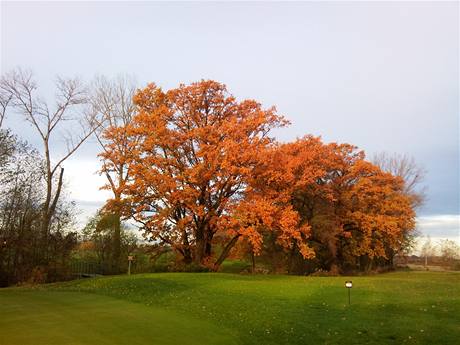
[[348, 285]]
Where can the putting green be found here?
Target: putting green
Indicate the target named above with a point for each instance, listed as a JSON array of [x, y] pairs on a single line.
[[71, 318]]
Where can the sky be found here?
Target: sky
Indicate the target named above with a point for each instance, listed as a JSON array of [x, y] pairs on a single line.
[[381, 75]]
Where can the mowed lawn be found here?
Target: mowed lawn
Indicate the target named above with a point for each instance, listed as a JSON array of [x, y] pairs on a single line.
[[209, 308]]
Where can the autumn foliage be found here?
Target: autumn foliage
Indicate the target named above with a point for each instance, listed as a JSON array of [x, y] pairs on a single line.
[[205, 177], [357, 213]]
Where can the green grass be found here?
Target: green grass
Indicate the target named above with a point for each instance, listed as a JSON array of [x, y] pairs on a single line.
[[235, 266], [65, 318], [207, 308]]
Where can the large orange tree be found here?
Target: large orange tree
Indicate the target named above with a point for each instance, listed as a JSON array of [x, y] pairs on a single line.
[[356, 214], [203, 174], [194, 150], [377, 216]]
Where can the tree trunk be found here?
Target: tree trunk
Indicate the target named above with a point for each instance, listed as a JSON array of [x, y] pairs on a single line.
[[187, 254], [225, 252], [292, 264], [203, 244], [199, 251], [49, 209], [49, 190], [116, 262]]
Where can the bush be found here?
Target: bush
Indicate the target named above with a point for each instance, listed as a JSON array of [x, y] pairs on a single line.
[[324, 273], [456, 266], [38, 275], [193, 267]]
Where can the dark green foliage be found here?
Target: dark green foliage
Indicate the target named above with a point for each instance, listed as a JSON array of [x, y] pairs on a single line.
[[99, 245], [25, 253]]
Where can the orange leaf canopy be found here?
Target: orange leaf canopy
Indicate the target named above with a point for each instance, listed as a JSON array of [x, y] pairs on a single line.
[[197, 150], [202, 169]]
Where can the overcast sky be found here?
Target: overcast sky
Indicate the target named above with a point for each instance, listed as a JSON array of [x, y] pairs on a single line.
[[381, 75]]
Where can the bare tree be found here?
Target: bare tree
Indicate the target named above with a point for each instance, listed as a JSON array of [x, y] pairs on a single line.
[[449, 250], [407, 168], [112, 100], [428, 250], [5, 98], [50, 122]]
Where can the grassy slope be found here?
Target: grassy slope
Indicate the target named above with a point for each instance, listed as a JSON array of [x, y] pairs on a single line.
[[399, 308], [68, 318]]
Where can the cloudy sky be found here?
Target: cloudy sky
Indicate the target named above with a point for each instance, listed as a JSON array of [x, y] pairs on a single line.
[[381, 75]]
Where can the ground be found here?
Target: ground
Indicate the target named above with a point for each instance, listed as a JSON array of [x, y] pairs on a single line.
[[210, 308]]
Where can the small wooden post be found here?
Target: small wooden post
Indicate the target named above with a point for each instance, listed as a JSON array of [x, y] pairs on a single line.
[[130, 259]]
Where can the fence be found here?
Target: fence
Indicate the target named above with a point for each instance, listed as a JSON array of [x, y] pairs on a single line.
[[84, 269]]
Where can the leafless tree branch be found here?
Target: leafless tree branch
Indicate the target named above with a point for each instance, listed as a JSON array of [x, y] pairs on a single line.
[[407, 168], [18, 91]]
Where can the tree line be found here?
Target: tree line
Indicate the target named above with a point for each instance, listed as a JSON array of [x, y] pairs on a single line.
[[202, 177]]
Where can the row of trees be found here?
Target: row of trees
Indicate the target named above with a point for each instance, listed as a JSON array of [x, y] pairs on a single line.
[[37, 228], [201, 174], [445, 249], [35, 220], [26, 252]]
